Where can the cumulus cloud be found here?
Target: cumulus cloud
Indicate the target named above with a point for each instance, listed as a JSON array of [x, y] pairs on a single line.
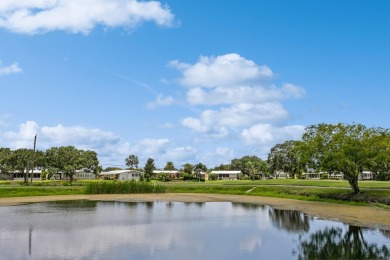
[[10, 69], [268, 134], [111, 149], [238, 97], [40, 16], [236, 116], [225, 70], [161, 101], [240, 94], [105, 143]]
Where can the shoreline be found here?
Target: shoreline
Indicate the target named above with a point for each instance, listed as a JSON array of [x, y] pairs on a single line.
[[364, 216]]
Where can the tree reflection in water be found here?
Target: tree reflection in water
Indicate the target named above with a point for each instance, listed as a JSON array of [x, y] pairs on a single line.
[[290, 220], [333, 243]]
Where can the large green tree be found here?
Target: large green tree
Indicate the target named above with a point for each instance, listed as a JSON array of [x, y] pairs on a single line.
[[132, 161], [68, 160], [343, 148], [187, 168], [286, 157], [6, 161], [149, 168], [169, 166], [22, 161], [249, 165]]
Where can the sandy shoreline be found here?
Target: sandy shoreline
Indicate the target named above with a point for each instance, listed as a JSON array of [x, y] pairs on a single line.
[[356, 215]]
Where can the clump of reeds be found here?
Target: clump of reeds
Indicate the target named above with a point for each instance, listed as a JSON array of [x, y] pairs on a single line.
[[123, 187]]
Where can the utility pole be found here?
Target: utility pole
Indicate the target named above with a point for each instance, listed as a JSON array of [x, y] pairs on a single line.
[[33, 163]]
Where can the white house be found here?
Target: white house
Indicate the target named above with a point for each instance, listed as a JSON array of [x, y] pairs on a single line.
[[314, 175], [121, 175], [226, 175], [367, 175]]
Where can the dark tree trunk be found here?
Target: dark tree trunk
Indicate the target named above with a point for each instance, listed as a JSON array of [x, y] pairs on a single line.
[[353, 182]]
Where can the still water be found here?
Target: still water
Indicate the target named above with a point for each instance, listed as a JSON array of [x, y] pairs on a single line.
[[176, 230]]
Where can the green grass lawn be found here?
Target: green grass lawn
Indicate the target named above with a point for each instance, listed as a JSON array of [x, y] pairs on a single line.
[[316, 190]]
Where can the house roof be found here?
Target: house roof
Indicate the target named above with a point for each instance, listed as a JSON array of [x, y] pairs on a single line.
[[164, 171], [225, 172], [118, 172]]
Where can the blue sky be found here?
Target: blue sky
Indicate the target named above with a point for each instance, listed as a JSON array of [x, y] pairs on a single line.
[[188, 81]]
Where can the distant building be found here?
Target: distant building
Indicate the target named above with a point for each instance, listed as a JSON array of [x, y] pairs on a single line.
[[226, 175], [367, 175], [121, 175]]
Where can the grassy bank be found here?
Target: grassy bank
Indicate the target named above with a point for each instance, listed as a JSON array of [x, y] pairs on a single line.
[[25, 191], [310, 193], [373, 192], [123, 187]]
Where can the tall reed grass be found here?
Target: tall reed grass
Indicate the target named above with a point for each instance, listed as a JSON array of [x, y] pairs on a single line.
[[122, 187]]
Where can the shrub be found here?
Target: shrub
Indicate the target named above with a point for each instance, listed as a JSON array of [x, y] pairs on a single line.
[[213, 177], [325, 176]]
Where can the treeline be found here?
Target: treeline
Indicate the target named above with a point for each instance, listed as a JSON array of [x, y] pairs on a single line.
[[348, 149], [61, 161]]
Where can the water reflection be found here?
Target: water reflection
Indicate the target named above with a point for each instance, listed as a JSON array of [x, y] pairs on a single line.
[[176, 230], [289, 220], [336, 243]]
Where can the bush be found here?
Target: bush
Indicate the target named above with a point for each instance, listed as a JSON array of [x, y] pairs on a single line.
[[163, 177], [324, 176], [213, 177], [187, 177]]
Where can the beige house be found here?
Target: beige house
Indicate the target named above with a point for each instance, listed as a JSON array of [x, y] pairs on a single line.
[[123, 175], [225, 175]]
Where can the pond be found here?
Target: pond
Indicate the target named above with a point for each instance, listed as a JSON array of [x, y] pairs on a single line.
[[178, 230]]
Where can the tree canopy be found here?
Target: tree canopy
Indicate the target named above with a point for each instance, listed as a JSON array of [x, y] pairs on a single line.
[[132, 161], [348, 149]]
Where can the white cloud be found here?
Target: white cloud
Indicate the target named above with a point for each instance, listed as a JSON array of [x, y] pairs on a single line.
[[108, 146], [10, 69], [226, 70], [267, 134], [40, 16], [240, 94], [152, 147], [161, 101], [235, 116], [240, 99]]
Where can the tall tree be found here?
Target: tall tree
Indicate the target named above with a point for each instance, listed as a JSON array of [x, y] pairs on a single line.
[[22, 161], [249, 165], [132, 161], [222, 167], [169, 166], [286, 157], [198, 168], [187, 168], [149, 168], [342, 148], [90, 162], [6, 161]]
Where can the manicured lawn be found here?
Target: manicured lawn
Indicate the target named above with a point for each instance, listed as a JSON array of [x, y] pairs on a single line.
[[316, 190]]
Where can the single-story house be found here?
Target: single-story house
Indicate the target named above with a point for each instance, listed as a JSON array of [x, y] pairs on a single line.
[[226, 175], [82, 175], [19, 176], [281, 174], [121, 175], [314, 175], [367, 175], [174, 174]]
